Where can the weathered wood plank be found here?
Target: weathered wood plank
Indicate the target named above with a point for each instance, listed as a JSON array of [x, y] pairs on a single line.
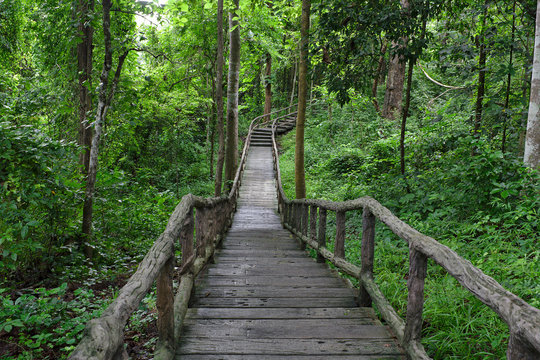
[[271, 302], [282, 313], [276, 292], [272, 281], [287, 357], [290, 346], [283, 329]]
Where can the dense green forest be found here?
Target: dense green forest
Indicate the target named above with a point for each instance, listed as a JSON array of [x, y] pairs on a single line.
[[111, 111]]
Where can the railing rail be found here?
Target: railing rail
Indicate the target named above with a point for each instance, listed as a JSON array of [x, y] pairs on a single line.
[[306, 218], [197, 225]]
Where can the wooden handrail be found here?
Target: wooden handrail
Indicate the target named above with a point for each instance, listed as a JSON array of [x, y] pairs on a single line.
[[208, 218], [523, 319]]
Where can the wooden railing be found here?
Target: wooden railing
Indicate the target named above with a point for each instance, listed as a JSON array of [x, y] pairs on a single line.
[[307, 219], [197, 225]]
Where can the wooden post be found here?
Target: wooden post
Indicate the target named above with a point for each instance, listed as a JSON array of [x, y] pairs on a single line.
[[201, 225], [305, 215], [415, 301], [519, 349], [339, 246], [313, 222], [368, 252], [165, 308], [186, 237], [321, 239]]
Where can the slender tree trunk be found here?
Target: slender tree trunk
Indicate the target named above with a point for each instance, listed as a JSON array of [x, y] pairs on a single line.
[[509, 79], [105, 97], [219, 101], [532, 140], [299, 171], [84, 67], [231, 151], [405, 115], [211, 132], [268, 87], [293, 83], [481, 75], [376, 78]]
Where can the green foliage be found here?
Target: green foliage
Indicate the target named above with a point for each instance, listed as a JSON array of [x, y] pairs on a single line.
[[39, 191]]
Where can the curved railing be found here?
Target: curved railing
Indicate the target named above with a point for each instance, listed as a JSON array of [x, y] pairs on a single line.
[[306, 218]]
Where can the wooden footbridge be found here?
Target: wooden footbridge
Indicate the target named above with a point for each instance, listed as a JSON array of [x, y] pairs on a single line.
[[248, 290]]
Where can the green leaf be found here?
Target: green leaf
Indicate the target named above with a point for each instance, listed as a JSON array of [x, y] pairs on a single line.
[[505, 194], [24, 231]]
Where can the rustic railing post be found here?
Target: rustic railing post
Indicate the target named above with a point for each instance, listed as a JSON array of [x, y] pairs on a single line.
[[367, 253], [297, 217], [305, 215], [339, 245], [313, 222], [165, 308], [415, 300], [201, 230], [321, 239], [186, 237]]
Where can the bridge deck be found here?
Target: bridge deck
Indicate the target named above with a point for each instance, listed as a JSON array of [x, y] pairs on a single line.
[[264, 298]]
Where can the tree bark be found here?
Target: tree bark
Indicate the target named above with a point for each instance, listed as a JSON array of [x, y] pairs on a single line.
[[509, 79], [299, 171], [84, 68], [268, 87], [481, 75], [219, 101], [405, 115], [393, 95], [532, 140], [376, 78], [105, 98], [231, 151]]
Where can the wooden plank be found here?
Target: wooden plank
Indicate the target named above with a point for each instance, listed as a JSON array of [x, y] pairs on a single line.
[[280, 253], [283, 329], [277, 281], [273, 302], [281, 313], [265, 270], [290, 347], [298, 357], [282, 292]]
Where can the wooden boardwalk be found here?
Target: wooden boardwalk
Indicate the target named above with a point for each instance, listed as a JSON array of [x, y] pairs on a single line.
[[264, 298]]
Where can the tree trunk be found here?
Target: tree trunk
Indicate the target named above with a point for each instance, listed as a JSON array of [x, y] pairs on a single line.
[[532, 140], [299, 171], [231, 152], [268, 87], [481, 76], [394, 87], [105, 98], [380, 65], [84, 67], [405, 115], [219, 101], [509, 80]]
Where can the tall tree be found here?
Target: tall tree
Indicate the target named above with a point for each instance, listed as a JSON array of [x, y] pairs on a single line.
[[481, 42], [299, 171], [231, 151], [84, 67], [268, 87], [106, 94], [532, 141], [393, 95], [219, 101]]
